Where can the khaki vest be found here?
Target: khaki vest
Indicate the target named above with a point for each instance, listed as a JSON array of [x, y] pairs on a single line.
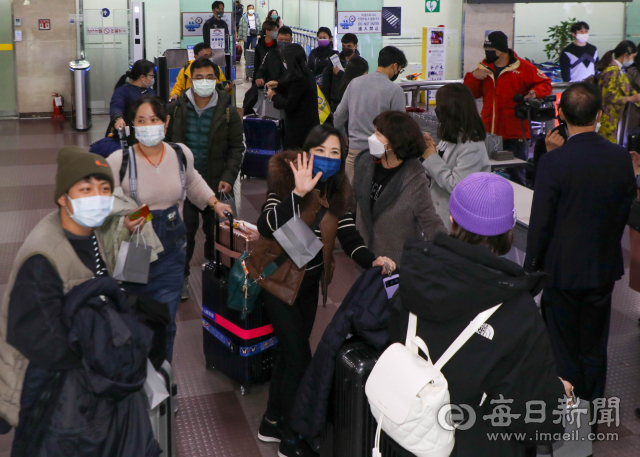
[[47, 239]]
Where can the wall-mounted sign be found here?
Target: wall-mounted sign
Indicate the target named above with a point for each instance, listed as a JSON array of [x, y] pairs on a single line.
[[359, 22], [432, 6], [192, 23], [434, 49], [44, 24], [391, 20], [107, 30], [17, 22], [18, 35], [105, 12]]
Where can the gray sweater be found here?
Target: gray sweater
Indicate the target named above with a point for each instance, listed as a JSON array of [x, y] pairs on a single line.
[[457, 162], [365, 98]]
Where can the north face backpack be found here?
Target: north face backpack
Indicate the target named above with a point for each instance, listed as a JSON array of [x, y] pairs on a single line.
[[409, 396]]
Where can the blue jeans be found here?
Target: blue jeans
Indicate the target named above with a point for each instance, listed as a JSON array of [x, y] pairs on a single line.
[[250, 42], [520, 150], [167, 273]]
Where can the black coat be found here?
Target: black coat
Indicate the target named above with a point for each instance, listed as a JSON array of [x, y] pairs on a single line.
[[332, 83], [214, 23], [298, 97], [99, 409], [581, 204], [319, 58], [268, 64], [447, 283], [365, 310]]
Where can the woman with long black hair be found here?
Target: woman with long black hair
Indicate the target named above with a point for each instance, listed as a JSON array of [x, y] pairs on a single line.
[[297, 95], [310, 180], [126, 93], [616, 88]]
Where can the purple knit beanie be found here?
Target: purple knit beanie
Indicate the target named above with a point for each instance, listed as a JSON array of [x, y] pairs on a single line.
[[482, 203]]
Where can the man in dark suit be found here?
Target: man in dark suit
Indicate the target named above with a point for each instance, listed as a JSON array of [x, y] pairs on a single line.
[[580, 208]]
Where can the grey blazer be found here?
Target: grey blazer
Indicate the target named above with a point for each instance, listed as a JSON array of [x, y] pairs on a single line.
[[403, 211], [458, 161]]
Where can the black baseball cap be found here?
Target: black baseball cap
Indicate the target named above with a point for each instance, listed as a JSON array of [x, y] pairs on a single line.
[[497, 40]]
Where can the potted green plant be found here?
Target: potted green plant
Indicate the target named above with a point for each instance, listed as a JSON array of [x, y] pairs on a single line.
[[558, 38]]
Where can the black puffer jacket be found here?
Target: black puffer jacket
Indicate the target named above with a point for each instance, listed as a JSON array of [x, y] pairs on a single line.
[[446, 283], [98, 410], [365, 310]]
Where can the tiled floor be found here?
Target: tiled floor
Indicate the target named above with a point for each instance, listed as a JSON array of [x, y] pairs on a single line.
[[214, 418]]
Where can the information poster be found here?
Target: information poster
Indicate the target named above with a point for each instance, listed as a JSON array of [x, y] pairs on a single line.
[[391, 20], [434, 48], [217, 38], [359, 22], [192, 23]]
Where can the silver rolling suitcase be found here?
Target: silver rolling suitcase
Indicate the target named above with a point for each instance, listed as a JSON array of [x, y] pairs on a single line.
[[249, 61], [162, 414]]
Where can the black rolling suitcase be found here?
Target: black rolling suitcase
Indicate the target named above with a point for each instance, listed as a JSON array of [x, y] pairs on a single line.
[[351, 428], [241, 349]]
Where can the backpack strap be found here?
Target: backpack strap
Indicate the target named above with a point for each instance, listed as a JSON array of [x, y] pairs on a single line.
[[129, 161], [182, 159], [184, 73], [464, 336]]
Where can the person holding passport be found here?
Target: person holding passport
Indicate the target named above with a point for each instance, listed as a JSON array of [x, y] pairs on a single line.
[[163, 176]]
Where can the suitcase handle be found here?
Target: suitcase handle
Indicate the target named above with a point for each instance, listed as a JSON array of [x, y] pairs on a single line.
[[217, 243]]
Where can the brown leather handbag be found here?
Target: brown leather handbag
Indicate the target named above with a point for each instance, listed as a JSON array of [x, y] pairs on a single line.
[[271, 267], [274, 271]]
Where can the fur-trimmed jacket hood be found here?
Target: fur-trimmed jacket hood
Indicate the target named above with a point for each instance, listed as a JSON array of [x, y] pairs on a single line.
[[282, 182]]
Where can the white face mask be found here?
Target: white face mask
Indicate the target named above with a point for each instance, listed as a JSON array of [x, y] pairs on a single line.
[[152, 81], [204, 87], [376, 147], [582, 37], [250, 12], [627, 63], [90, 212], [150, 135]]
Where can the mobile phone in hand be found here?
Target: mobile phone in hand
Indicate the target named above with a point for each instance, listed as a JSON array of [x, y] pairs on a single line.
[[391, 284]]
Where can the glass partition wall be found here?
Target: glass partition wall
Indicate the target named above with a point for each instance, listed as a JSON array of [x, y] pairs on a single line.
[[301, 14], [606, 22]]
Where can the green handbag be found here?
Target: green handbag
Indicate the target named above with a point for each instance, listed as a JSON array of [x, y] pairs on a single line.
[[243, 291]]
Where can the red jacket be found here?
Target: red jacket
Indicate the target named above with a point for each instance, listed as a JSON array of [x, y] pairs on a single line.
[[519, 77]]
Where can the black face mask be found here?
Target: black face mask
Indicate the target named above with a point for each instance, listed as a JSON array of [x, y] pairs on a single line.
[[394, 77], [490, 56], [348, 52]]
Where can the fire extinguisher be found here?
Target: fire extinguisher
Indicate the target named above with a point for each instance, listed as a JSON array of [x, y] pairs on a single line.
[[58, 107]]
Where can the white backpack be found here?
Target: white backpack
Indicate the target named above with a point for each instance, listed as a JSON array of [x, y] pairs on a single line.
[[408, 394]]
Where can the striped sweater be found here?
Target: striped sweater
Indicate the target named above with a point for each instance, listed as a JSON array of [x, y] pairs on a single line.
[[276, 212]]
